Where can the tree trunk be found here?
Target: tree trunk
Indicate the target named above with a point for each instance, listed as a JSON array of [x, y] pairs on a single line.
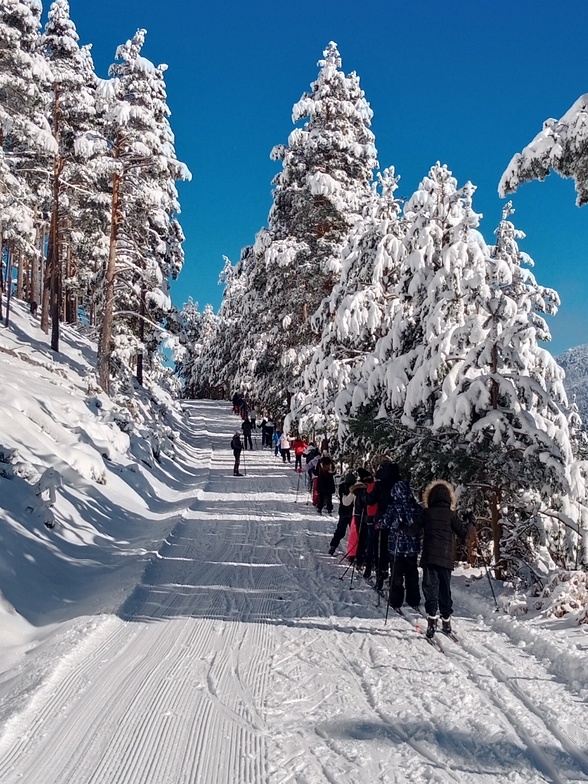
[[8, 285], [496, 532], [20, 268], [54, 240], [104, 345], [141, 336], [43, 278]]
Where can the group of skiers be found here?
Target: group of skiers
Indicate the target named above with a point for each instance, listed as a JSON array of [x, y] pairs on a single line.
[[389, 530]]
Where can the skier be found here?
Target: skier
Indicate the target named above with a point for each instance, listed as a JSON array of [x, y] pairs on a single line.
[[403, 521], [299, 446], [387, 474], [346, 499], [237, 448], [253, 418], [285, 447], [267, 433], [440, 522], [325, 483], [360, 514], [246, 428]]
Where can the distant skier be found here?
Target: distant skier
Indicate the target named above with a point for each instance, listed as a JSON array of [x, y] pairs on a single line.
[[440, 522], [237, 447], [246, 428]]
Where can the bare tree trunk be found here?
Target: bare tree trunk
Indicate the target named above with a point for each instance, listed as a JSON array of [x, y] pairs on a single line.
[[35, 268], [8, 285], [141, 336], [104, 344], [71, 298], [54, 239], [1, 275], [20, 268], [495, 500], [44, 262], [55, 277]]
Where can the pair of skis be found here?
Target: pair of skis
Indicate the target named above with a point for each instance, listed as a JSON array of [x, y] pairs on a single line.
[[418, 620]]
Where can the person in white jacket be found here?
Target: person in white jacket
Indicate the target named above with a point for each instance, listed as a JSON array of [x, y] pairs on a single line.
[[346, 499], [285, 447]]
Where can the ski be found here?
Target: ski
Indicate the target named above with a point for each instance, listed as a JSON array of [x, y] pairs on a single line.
[[434, 642]]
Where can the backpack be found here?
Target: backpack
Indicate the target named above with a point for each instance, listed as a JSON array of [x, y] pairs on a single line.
[[235, 442]]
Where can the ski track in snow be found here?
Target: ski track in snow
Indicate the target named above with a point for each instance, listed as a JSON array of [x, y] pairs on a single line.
[[242, 658]]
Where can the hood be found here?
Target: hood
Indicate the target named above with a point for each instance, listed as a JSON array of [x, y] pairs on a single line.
[[388, 472], [401, 492], [440, 493], [364, 474]]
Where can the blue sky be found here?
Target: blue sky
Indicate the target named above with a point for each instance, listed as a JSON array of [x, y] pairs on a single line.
[[464, 82]]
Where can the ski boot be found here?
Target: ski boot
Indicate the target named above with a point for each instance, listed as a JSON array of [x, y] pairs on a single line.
[[446, 626], [431, 626]]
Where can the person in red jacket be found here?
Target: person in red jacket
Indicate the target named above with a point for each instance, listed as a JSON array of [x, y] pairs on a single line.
[[299, 446]]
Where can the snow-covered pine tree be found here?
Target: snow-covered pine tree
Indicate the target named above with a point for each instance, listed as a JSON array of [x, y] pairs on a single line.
[[560, 146], [327, 167], [502, 419], [76, 168], [26, 141], [399, 385], [145, 239], [197, 331], [351, 319], [222, 347]]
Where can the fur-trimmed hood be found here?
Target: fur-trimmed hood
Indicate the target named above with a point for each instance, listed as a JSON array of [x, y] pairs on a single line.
[[440, 493]]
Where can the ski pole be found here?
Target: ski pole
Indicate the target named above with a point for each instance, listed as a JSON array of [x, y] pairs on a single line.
[[488, 576], [297, 488], [379, 564], [356, 549], [391, 581], [244, 468]]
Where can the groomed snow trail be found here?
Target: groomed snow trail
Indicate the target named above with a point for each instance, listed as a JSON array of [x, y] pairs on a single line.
[[242, 658]]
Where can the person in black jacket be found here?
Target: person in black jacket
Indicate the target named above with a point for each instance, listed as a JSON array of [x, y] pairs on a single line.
[[325, 470], [246, 428], [440, 523], [237, 447], [386, 476]]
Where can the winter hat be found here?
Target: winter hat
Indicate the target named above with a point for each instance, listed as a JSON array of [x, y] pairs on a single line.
[[349, 479], [364, 474]]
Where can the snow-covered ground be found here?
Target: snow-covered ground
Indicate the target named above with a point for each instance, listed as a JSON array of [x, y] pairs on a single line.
[[183, 626]]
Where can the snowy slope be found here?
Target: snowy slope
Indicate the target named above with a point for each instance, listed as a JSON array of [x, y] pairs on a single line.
[[575, 363], [240, 657], [182, 626]]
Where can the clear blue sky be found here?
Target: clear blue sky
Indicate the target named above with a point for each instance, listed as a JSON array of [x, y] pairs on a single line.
[[465, 82]]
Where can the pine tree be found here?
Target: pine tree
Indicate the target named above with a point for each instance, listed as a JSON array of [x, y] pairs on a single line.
[[325, 180], [400, 383], [352, 318], [26, 141], [507, 411], [145, 238], [560, 146], [75, 126]]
